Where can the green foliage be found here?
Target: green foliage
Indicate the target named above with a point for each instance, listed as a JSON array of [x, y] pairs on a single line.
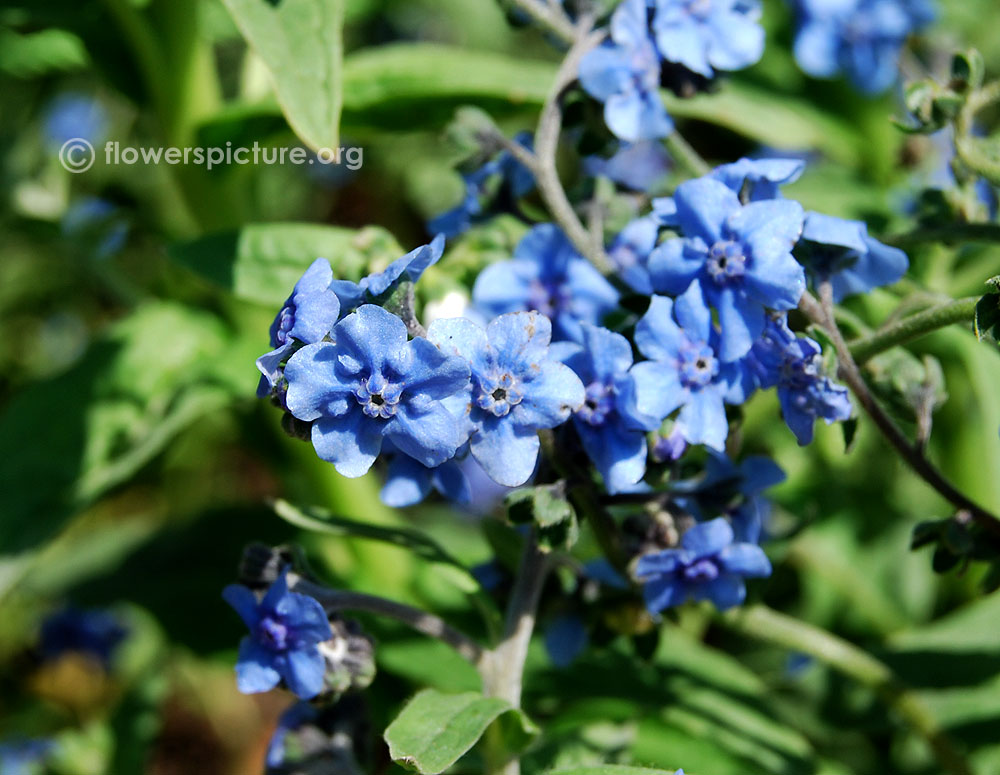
[[546, 507]]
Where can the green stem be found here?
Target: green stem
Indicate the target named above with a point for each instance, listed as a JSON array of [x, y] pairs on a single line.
[[682, 152], [912, 327], [773, 627], [550, 16], [969, 147]]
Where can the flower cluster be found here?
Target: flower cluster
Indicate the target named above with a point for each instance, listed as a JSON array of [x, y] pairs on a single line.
[[701, 36]]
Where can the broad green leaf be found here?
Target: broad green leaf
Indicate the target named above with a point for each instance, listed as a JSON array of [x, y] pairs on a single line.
[[262, 262], [39, 53], [609, 769], [435, 730], [301, 43]]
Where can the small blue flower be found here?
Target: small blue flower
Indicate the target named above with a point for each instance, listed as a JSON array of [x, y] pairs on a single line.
[[517, 388], [307, 317], [759, 179], [738, 256], [74, 115], [547, 275], [409, 267], [94, 633], [685, 370], [841, 251], [502, 177], [630, 252], [793, 365], [638, 166], [286, 629], [24, 757], [610, 428], [624, 74], [708, 35], [296, 716], [565, 639], [371, 383], [408, 481], [859, 38], [709, 565]]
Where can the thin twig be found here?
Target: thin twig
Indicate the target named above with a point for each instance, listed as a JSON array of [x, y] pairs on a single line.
[[421, 621], [821, 313]]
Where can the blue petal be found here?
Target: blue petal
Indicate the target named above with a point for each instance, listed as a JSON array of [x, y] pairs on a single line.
[[520, 338], [737, 40], [244, 602], [426, 431], [255, 671], [565, 639], [427, 371], [674, 264], [618, 453], [305, 618], [507, 453], [637, 115], [702, 419], [741, 321], [314, 386], [704, 206], [658, 389], [351, 442], [662, 562], [681, 41], [693, 314], [450, 480], [610, 354], [371, 335], [745, 560], [707, 539], [505, 286], [604, 71], [304, 672], [552, 392], [657, 335], [725, 591], [412, 265], [407, 482], [664, 592], [817, 47]]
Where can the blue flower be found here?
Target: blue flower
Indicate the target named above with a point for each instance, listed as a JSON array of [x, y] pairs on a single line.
[[638, 166], [73, 115], [841, 251], [409, 481], [793, 365], [685, 370], [610, 428], [307, 317], [547, 275], [708, 565], [859, 38], [706, 34], [94, 633], [24, 757], [671, 447], [502, 177], [409, 267], [739, 256], [517, 388], [630, 252], [624, 74], [565, 639], [96, 222], [286, 629], [371, 383], [297, 715], [759, 178]]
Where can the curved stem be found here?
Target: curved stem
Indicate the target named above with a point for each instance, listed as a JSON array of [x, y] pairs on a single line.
[[682, 152], [967, 145], [821, 313], [421, 621], [771, 626], [913, 326], [550, 16]]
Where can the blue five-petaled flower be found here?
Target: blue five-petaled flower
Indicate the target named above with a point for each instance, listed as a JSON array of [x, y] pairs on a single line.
[[709, 35], [708, 565], [371, 383], [738, 256], [624, 74], [517, 388], [286, 629]]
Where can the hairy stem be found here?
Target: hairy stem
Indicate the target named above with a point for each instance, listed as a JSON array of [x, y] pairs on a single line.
[[421, 621], [821, 313], [912, 327], [771, 626]]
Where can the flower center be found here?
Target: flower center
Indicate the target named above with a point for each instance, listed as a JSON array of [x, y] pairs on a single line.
[[598, 403], [498, 395], [286, 320], [726, 261], [272, 633], [701, 570], [549, 298], [378, 397], [698, 365]]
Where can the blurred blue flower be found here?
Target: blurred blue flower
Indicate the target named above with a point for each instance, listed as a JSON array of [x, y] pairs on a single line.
[[306, 318], [638, 166], [565, 639], [841, 251], [294, 717], [97, 222], [370, 383], [708, 35], [630, 250], [517, 388], [738, 256], [858, 38], [73, 115], [759, 178], [792, 365], [624, 74], [408, 481], [409, 267], [670, 447], [286, 629], [501, 178], [94, 633], [547, 275], [24, 757], [685, 370], [610, 428], [603, 572], [708, 565]]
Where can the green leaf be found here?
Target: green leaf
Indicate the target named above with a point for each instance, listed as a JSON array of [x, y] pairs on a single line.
[[262, 262], [548, 508], [35, 54], [435, 730], [987, 319], [300, 41], [609, 769]]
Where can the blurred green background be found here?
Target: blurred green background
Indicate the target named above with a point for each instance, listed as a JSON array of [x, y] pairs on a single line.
[[135, 461]]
